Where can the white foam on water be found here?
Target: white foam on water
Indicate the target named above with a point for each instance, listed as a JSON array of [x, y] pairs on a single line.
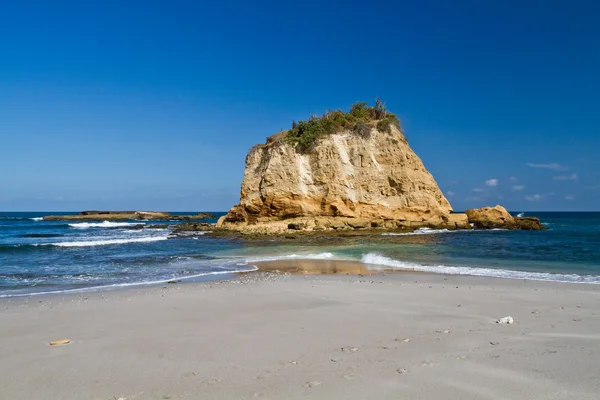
[[104, 224], [314, 256], [375, 260], [37, 219], [190, 233], [520, 215], [121, 285], [105, 242], [420, 231], [145, 231], [430, 231]]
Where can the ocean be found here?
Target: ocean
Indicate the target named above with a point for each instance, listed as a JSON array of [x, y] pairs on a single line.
[[39, 256]]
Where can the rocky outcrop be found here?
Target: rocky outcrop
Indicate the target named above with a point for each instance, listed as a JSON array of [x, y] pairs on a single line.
[[127, 215], [529, 224], [140, 227], [193, 227], [489, 217], [498, 218], [346, 179], [347, 171]]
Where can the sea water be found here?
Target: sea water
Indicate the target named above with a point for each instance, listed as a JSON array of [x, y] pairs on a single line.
[[38, 256]]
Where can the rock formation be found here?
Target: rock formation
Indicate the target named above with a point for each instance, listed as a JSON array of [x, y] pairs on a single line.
[[341, 171], [127, 215], [498, 218], [345, 180]]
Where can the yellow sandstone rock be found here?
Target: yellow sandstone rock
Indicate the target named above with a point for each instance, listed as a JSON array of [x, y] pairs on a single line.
[[347, 177]]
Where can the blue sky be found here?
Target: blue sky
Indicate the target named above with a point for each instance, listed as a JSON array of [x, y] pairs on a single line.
[[153, 105]]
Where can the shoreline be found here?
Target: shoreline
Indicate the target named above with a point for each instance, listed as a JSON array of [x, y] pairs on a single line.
[[273, 336], [295, 266], [324, 267]]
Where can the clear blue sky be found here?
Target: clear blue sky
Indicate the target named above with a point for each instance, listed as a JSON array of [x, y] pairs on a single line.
[[154, 104]]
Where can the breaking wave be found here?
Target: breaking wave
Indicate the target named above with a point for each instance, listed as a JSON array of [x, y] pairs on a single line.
[[420, 231], [378, 259], [104, 224], [314, 256], [127, 284], [430, 231], [106, 242]]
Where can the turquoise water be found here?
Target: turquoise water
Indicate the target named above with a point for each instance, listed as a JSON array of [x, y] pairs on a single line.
[[39, 257]]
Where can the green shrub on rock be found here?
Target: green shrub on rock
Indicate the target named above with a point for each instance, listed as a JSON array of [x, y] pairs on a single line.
[[360, 120]]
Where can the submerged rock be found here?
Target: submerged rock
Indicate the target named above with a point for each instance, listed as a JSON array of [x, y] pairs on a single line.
[[137, 227], [193, 227], [529, 223], [157, 226]]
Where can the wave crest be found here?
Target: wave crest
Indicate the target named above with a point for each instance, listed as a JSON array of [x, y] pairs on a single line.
[[378, 259], [314, 256], [420, 231], [107, 242], [104, 224], [140, 283]]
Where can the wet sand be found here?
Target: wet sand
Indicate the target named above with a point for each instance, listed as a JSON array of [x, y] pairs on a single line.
[[282, 336], [322, 267]]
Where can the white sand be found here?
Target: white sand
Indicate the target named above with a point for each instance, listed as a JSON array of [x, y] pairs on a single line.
[[398, 336]]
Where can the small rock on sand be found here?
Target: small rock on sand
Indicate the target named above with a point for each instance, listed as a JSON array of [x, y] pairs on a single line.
[[505, 320], [60, 342]]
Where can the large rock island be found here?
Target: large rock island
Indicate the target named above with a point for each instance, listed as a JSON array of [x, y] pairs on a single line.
[[343, 170]]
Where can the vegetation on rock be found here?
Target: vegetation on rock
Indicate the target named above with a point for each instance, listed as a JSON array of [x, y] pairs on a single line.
[[361, 119]]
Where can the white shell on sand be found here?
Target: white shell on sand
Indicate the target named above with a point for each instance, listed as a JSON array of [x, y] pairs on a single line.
[[505, 320]]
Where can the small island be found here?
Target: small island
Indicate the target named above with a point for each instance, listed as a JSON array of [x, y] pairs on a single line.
[[128, 215], [344, 171]]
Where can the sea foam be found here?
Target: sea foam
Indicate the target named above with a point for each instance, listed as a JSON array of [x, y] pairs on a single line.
[[420, 231], [107, 242], [37, 219], [313, 256], [375, 260], [430, 231], [127, 284], [104, 224]]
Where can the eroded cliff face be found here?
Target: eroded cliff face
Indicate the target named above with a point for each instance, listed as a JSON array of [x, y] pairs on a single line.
[[346, 175]]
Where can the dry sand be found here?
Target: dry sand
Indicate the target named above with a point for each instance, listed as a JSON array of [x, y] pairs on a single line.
[[266, 336]]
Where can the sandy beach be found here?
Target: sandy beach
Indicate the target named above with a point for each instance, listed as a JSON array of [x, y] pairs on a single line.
[[285, 336]]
